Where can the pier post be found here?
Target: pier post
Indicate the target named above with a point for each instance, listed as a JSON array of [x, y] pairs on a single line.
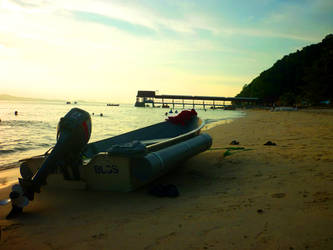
[[173, 104], [203, 104], [193, 103], [183, 104]]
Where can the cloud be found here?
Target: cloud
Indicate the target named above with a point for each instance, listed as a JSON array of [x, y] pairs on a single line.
[[132, 16], [24, 6], [303, 20], [145, 19], [103, 47], [122, 25], [30, 3]]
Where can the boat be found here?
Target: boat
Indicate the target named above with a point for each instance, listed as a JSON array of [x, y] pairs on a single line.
[[130, 160], [120, 163], [112, 104]]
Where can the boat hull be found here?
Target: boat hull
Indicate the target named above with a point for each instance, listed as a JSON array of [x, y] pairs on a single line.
[[121, 173]]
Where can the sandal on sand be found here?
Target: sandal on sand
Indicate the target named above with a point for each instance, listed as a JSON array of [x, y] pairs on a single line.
[[269, 143], [234, 142]]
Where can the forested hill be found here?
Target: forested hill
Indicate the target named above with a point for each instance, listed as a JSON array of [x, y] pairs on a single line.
[[303, 77]]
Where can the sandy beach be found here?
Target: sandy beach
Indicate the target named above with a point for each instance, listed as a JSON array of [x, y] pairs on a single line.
[[258, 197]]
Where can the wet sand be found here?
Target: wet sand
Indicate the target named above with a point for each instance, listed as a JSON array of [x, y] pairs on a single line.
[[259, 197]]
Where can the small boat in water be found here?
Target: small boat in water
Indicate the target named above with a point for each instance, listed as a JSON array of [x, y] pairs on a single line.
[[112, 104]]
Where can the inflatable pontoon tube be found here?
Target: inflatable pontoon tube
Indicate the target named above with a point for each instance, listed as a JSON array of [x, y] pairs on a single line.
[[162, 160]]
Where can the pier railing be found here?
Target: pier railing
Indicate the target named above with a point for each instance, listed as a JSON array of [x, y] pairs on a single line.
[[149, 98]]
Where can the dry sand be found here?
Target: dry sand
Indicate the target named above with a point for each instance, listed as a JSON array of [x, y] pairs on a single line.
[[269, 197]]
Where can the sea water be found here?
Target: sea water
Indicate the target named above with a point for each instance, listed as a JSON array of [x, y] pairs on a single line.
[[33, 130]]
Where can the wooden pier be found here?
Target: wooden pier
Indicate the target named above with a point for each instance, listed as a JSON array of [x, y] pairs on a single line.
[[149, 98]]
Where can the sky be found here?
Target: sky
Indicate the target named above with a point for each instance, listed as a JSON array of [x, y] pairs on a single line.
[[107, 50]]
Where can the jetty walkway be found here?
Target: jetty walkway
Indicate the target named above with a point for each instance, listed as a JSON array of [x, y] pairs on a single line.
[[150, 98]]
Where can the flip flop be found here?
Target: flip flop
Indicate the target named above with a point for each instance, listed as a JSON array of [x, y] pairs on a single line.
[[269, 143]]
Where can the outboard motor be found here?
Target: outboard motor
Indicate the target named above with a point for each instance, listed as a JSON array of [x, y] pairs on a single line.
[[73, 134]]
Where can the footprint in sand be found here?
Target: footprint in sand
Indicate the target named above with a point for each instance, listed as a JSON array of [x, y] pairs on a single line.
[[3, 181], [10, 226], [98, 236], [320, 197], [278, 195]]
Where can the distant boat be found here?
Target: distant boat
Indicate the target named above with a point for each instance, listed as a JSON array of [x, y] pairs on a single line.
[[112, 104], [68, 102]]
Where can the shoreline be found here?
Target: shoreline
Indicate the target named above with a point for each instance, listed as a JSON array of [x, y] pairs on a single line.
[[265, 197]]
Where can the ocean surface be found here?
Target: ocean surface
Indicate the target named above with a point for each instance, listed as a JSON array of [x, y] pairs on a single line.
[[33, 130]]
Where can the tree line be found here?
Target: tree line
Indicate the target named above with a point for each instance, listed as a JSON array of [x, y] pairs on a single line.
[[302, 78]]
